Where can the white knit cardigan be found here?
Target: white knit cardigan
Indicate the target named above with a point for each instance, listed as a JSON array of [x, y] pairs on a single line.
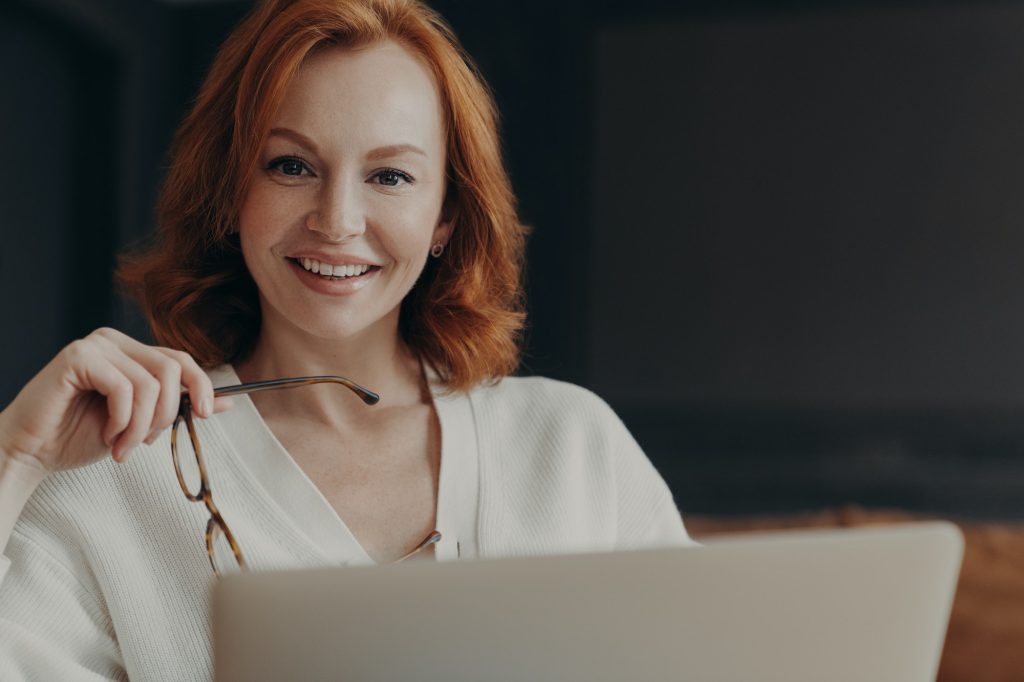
[[106, 574]]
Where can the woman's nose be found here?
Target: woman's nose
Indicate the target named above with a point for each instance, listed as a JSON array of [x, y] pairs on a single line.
[[339, 215]]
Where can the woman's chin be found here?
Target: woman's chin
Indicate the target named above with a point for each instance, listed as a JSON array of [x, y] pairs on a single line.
[[295, 320], [343, 328]]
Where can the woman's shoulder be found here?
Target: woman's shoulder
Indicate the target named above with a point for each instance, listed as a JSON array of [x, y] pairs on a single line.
[[540, 395], [547, 409]]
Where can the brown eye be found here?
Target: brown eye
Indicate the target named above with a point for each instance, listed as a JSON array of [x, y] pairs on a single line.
[[288, 165], [389, 177]]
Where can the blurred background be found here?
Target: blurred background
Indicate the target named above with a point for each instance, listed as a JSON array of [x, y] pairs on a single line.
[[780, 238]]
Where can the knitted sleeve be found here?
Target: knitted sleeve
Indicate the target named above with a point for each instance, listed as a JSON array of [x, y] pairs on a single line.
[[648, 517], [560, 472], [51, 626]]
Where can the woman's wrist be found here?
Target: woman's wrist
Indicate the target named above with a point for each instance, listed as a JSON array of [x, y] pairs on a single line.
[[22, 468], [20, 475]]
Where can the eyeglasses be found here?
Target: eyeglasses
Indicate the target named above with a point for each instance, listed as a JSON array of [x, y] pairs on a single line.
[[221, 545]]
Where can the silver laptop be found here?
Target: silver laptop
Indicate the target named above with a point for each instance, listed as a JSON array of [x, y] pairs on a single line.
[[862, 604]]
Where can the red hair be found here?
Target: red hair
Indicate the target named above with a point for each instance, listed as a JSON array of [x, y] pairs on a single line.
[[464, 316]]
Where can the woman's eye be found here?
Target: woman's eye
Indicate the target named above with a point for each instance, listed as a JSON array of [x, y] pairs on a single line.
[[288, 166], [390, 177]]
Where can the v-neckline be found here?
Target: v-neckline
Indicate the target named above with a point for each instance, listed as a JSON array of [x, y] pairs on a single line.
[[273, 466]]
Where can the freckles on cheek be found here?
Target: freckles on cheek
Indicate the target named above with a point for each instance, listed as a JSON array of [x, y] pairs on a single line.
[[411, 231], [265, 211], [251, 210]]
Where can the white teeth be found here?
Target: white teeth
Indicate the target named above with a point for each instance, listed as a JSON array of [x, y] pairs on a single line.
[[328, 270]]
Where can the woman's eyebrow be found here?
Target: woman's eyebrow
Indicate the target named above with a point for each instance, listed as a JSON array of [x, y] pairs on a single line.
[[393, 150], [295, 136], [384, 152]]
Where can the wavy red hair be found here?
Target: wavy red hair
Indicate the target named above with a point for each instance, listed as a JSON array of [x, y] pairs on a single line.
[[464, 316]]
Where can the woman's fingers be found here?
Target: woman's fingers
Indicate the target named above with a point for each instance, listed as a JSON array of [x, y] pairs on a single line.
[[145, 394], [194, 379], [168, 374], [223, 404], [220, 404], [107, 380], [157, 376], [180, 370]]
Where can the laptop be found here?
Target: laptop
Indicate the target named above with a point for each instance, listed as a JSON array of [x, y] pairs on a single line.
[[860, 604]]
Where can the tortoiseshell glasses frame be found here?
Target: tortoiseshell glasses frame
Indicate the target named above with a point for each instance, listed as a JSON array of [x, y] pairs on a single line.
[[217, 525]]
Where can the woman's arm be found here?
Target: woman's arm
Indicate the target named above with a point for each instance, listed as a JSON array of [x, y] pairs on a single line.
[[19, 476], [102, 395], [53, 623]]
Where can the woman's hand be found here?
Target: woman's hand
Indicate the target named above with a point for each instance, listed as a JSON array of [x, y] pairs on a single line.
[[106, 392]]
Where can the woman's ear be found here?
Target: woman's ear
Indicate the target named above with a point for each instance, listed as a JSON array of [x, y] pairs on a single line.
[[443, 231]]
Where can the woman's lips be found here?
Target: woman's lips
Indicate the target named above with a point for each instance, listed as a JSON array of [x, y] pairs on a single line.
[[333, 286]]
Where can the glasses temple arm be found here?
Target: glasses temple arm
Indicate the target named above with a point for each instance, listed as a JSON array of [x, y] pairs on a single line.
[[365, 394]]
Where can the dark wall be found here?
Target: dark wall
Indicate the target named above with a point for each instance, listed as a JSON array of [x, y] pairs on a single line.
[[60, 185], [31, 260], [778, 237], [806, 275], [817, 209]]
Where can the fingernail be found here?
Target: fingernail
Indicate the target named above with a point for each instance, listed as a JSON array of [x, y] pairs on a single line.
[[205, 408]]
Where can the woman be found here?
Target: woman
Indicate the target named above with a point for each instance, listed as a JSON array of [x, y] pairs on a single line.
[[336, 205]]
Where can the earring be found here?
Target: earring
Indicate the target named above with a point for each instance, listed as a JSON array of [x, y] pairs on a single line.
[[437, 249]]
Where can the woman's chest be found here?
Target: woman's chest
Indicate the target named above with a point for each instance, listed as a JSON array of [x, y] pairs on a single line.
[[382, 483]]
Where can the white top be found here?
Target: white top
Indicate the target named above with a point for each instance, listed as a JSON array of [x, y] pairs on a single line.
[[108, 575], [279, 475]]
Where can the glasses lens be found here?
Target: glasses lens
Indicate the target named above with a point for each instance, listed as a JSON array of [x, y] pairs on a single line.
[[221, 554], [185, 459]]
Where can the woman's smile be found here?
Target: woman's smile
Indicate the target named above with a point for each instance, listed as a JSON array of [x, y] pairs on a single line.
[[322, 277]]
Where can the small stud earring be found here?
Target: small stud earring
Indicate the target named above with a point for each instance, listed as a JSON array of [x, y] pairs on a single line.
[[437, 249]]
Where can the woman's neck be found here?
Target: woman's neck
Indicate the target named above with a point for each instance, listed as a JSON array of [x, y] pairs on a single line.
[[383, 364]]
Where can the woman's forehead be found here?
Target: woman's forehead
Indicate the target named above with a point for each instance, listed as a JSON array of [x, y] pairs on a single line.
[[373, 96]]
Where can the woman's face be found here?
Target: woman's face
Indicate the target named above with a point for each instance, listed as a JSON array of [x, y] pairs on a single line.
[[346, 199]]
